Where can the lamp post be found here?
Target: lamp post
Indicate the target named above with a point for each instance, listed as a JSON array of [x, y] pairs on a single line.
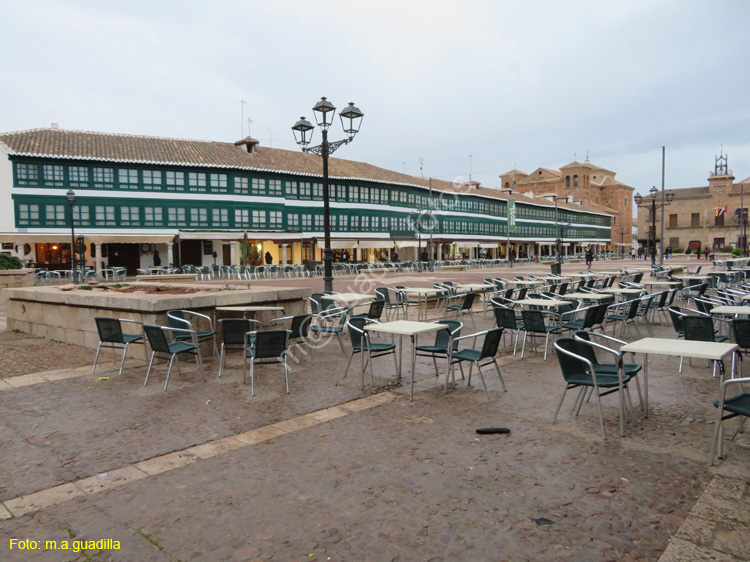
[[73, 268], [351, 120], [650, 203]]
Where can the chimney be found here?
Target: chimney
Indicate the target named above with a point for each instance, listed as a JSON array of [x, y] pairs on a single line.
[[249, 143]]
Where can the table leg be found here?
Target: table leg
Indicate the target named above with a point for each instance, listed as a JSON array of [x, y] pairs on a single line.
[[400, 354], [645, 382], [414, 340]]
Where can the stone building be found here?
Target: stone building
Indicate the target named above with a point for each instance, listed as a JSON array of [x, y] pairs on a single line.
[[211, 203], [703, 216], [586, 183]]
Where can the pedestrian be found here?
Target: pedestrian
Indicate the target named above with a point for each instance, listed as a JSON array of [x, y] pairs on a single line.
[[345, 256], [698, 252], [640, 252], [269, 258], [589, 258], [157, 258], [708, 251]]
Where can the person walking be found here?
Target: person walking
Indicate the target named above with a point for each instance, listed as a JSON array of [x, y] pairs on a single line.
[[589, 258], [269, 258], [708, 252]]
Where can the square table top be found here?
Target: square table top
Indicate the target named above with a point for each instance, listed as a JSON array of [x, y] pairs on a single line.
[[680, 348], [619, 291], [526, 282], [422, 291], [476, 286], [704, 277], [248, 308], [542, 302], [584, 296], [727, 309], [347, 297], [406, 327], [657, 282]]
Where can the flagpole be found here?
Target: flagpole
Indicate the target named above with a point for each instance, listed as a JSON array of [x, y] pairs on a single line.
[[661, 236]]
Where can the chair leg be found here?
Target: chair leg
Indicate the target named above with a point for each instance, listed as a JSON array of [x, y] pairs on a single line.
[[546, 343], [523, 347], [499, 374], [122, 362], [221, 359], [252, 376], [341, 344], [148, 372], [481, 376], [96, 358], [169, 369], [716, 441], [286, 374], [349, 363], [560, 403], [601, 415]]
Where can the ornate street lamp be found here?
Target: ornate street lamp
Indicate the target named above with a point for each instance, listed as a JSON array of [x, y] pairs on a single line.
[[72, 203], [650, 203], [351, 120]]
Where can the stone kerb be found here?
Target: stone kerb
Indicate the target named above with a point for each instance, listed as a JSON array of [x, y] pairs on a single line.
[[68, 316], [16, 278]]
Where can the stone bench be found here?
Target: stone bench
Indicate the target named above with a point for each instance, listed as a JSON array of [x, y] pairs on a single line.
[[169, 277], [454, 267], [379, 270]]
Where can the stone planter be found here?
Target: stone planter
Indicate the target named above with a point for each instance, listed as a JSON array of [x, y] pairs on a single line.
[[16, 278]]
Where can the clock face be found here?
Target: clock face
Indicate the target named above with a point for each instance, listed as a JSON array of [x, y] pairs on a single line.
[[720, 191]]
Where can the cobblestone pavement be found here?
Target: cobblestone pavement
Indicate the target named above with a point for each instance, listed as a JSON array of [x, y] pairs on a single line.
[[204, 471]]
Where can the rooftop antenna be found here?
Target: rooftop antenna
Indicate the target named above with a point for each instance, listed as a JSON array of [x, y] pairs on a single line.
[[421, 165], [243, 103], [587, 156]]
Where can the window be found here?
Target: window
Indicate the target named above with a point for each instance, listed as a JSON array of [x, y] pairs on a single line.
[[718, 243], [129, 216], [375, 195], [175, 181], [152, 216], [55, 214], [695, 220], [218, 182], [152, 179], [81, 215], [27, 174], [275, 219], [343, 222], [341, 192], [78, 176], [199, 216], [719, 220], [575, 181], [376, 223], [674, 243], [220, 217], [672, 221], [241, 186], [105, 215], [176, 216], [259, 186], [53, 174], [317, 190], [128, 179], [197, 181], [304, 190], [567, 181], [353, 193], [318, 222], [241, 217], [259, 219], [104, 178], [306, 222], [274, 187], [292, 221], [355, 222], [364, 194], [291, 189], [28, 214]]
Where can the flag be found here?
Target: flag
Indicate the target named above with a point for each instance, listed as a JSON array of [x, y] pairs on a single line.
[[720, 211]]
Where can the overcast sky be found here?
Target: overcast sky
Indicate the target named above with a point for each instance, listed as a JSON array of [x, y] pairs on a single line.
[[513, 84]]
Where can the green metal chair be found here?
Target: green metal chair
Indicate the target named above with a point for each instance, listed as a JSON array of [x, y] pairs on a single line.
[[486, 353], [270, 345], [444, 342], [466, 304], [734, 406], [580, 373], [160, 345], [188, 320], [362, 343], [112, 337], [330, 323], [233, 332]]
